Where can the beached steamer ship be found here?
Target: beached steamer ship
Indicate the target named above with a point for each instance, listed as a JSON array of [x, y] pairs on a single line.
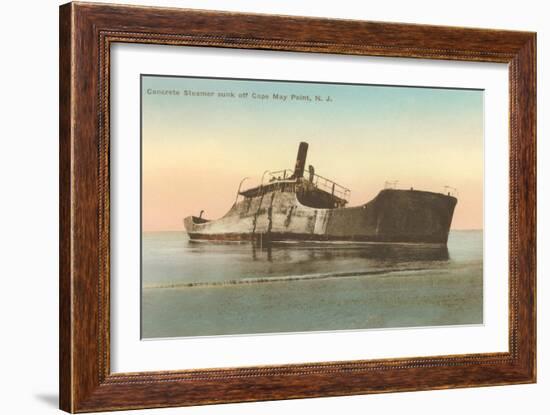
[[294, 207]]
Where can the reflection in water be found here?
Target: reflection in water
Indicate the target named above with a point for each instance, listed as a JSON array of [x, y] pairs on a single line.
[[232, 262], [205, 288], [379, 251]]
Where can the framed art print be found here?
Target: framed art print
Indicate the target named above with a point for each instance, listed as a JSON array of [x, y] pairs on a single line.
[[261, 207], [288, 249]]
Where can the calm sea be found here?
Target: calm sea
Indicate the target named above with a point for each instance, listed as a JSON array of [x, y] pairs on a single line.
[[203, 289]]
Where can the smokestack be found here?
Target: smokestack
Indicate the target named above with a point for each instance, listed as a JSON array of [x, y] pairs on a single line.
[[300, 160]]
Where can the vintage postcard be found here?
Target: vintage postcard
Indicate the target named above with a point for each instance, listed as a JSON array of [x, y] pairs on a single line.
[[279, 206]]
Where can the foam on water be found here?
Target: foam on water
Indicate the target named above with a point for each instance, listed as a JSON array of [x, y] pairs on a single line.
[[190, 289]]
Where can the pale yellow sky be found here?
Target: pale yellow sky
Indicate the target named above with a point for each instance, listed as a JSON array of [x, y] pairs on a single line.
[[196, 150]]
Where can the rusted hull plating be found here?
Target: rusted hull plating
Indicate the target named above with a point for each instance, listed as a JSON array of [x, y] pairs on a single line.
[[403, 216]]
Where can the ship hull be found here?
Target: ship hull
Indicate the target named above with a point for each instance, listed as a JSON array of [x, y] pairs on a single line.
[[393, 216]]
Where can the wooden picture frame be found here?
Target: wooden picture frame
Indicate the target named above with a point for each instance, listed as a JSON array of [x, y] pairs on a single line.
[[86, 33]]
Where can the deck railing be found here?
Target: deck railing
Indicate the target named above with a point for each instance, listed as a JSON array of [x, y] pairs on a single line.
[[317, 180], [396, 184]]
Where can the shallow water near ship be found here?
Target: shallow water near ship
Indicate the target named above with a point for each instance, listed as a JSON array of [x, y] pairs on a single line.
[[205, 289]]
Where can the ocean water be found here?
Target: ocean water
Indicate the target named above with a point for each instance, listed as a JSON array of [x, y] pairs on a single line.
[[205, 289]]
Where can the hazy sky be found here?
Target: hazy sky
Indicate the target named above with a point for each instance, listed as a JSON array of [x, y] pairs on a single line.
[[196, 149]]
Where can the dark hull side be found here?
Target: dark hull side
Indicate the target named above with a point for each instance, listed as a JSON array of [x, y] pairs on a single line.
[[403, 216]]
